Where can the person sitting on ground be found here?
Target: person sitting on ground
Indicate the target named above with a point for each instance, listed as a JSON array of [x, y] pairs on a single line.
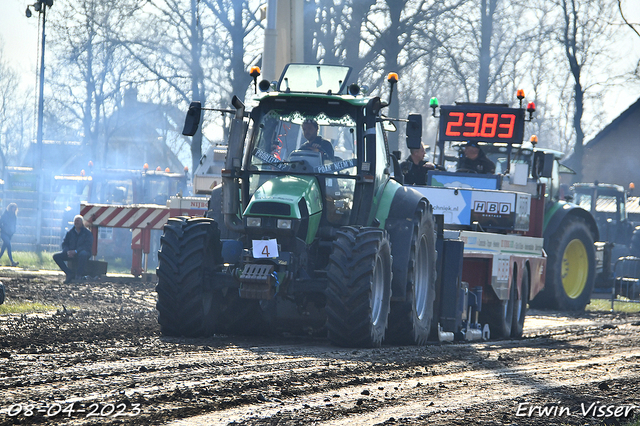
[[314, 142], [474, 160], [415, 167], [77, 245], [8, 225]]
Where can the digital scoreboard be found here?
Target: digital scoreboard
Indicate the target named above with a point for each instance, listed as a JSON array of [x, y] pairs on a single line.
[[481, 123]]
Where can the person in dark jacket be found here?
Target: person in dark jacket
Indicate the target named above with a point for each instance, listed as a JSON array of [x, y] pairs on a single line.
[[77, 244], [8, 225], [474, 160], [415, 168], [314, 142]]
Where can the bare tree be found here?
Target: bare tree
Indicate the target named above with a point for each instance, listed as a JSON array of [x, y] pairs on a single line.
[[91, 66], [14, 116], [626, 21], [634, 27], [585, 30], [196, 51], [484, 49], [170, 50], [380, 37]]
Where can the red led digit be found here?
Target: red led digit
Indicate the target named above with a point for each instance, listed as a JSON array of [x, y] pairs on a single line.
[[457, 123], [489, 125], [475, 124], [508, 126]]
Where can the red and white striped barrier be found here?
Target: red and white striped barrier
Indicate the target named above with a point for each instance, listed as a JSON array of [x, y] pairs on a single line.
[[141, 219], [135, 216]]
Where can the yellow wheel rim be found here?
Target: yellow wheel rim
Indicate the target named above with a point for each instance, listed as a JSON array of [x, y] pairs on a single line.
[[575, 268]]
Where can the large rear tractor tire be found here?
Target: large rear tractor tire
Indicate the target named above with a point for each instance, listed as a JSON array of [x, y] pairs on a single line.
[[571, 268], [359, 290], [187, 305], [410, 320], [499, 316]]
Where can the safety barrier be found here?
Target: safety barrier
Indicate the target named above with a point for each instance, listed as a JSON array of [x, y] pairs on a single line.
[[141, 219], [626, 282]]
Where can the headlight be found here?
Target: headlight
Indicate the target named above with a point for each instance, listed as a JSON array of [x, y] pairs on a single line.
[[284, 223], [254, 221]]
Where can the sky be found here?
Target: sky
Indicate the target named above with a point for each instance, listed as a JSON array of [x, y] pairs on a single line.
[[19, 36]]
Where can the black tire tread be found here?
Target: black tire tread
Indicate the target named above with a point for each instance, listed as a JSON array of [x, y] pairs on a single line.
[[189, 251], [350, 272], [404, 326]]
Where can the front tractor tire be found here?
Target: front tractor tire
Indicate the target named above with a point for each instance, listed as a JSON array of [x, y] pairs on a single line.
[[410, 321], [187, 305], [571, 268], [359, 290]]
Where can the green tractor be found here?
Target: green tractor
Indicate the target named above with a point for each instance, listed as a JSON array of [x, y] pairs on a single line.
[[310, 230], [569, 231]]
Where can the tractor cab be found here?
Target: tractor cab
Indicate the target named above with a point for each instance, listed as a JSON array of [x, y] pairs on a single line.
[[307, 162], [312, 156], [607, 204]]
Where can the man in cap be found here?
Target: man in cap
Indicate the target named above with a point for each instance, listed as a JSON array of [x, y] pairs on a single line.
[[474, 160], [314, 142]]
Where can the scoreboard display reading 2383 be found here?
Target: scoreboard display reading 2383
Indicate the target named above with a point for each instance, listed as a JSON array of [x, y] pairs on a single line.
[[487, 123]]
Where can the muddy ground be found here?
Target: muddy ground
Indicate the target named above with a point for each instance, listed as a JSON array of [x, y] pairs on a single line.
[[101, 360]]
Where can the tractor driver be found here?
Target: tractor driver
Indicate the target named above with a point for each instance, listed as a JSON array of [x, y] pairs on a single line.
[[474, 160], [314, 142]]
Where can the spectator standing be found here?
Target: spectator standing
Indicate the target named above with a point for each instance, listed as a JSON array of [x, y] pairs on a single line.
[[8, 225], [77, 244]]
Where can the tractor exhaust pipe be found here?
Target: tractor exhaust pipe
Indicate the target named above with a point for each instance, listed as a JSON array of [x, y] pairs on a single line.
[[233, 162]]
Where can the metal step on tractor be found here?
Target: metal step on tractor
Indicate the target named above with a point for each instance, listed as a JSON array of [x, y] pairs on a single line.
[[312, 231]]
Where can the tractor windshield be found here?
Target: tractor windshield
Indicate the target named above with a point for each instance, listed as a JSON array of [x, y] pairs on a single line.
[[299, 143], [321, 145], [498, 154]]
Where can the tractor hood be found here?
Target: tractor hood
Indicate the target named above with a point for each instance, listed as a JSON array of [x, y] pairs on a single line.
[[294, 197], [288, 196]]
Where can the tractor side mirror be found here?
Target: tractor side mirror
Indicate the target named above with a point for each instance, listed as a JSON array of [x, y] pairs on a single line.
[[414, 131], [542, 165], [192, 121]]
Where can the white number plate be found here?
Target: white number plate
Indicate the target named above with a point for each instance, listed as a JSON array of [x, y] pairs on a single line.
[[265, 248]]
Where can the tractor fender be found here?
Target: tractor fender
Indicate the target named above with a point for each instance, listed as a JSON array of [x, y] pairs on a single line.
[[564, 210], [399, 225]]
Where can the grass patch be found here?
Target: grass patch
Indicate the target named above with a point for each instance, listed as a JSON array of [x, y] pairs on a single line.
[[619, 305], [32, 261], [25, 307]]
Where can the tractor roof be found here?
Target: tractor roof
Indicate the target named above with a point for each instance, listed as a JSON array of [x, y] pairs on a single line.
[[311, 81]]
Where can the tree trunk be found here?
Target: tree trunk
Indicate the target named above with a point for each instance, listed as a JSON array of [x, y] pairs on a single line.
[[485, 47]]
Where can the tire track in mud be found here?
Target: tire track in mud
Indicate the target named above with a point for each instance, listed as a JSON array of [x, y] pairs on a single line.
[[110, 352], [412, 398]]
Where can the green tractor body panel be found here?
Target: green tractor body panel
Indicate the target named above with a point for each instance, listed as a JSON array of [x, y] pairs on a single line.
[[559, 210], [289, 191], [551, 211], [383, 201]]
